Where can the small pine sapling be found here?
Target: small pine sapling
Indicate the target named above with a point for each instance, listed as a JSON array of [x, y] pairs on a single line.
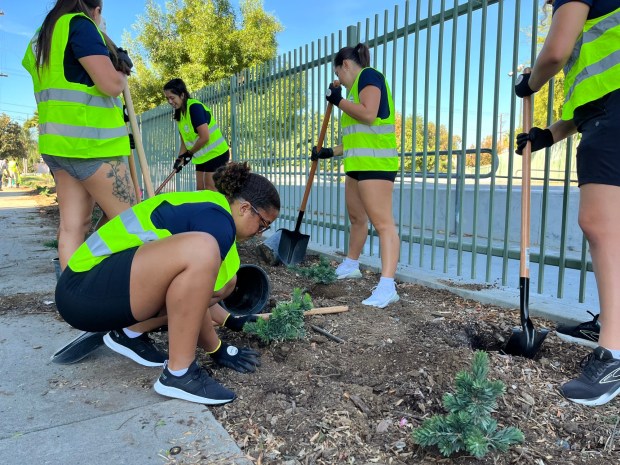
[[321, 273], [286, 322], [469, 426]]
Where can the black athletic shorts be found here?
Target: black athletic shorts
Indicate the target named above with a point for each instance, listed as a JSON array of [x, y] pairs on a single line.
[[366, 175], [213, 164], [598, 153], [98, 299]]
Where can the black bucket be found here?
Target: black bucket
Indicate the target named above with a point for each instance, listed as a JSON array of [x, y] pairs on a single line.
[[251, 293]]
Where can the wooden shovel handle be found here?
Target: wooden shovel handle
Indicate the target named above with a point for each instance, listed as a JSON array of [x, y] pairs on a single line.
[[137, 137], [315, 311], [524, 265], [319, 146]]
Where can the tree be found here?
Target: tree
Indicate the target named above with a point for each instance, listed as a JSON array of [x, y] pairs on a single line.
[[199, 41], [11, 138]]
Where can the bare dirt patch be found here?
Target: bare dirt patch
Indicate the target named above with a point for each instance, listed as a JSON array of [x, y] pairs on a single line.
[[316, 401]]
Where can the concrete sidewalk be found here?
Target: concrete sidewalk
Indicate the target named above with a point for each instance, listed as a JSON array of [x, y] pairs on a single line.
[[83, 413]]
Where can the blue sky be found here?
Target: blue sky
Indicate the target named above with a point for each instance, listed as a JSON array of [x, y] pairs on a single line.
[[303, 22]]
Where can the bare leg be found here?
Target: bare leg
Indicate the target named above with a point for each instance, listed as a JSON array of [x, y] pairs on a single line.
[[177, 272], [358, 218], [376, 196], [601, 224], [204, 181]]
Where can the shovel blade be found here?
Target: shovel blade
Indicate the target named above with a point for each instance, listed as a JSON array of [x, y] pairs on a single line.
[[525, 343], [78, 348], [293, 247]]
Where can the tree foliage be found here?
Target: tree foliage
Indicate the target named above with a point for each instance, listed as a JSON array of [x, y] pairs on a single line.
[[199, 41], [12, 141]]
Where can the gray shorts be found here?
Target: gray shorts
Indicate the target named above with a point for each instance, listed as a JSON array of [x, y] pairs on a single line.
[[78, 168]]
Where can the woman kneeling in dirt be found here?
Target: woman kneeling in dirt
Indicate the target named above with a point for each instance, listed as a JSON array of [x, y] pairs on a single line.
[[172, 252]]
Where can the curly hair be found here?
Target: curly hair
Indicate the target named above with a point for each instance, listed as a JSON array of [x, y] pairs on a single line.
[[235, 181]]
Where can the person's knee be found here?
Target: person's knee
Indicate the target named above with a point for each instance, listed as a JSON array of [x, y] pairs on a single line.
[[593, 226]]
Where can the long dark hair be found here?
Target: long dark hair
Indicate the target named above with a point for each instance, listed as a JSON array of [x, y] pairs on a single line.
[[234, 180], [360, 54], [62, 7], [178, 87]]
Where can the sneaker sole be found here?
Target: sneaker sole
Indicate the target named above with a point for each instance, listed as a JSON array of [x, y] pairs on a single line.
[[120, 349], [183, 395], [577, 340], [597, 401], [353, 275]]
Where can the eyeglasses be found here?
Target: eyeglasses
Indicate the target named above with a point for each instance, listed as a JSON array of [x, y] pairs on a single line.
[[265, 226]]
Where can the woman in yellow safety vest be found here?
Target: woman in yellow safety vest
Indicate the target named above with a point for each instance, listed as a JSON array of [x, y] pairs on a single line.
[[78, 75], [370, 163], [14, 173], [168, 255], [584, 39], [202, 141]]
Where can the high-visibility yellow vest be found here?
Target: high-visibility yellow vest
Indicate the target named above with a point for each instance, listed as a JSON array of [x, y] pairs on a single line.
[[216, 145], [369, 147], [75, 120], [134, 227], [593, 69]]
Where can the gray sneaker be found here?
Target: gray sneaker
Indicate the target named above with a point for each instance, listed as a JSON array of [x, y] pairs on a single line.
[[599, 381], [194, 386]]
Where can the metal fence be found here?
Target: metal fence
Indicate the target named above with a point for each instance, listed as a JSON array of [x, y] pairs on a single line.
[[451, 66]]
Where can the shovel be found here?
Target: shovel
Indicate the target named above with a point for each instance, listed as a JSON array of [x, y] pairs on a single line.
[[293, 244], [525, 341]]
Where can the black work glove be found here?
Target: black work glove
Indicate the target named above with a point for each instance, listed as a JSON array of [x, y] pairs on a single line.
[[540, 138], [334, 94], [182, 160], [322, 154], [132, 142], [236, 323], [522, 87], [124, 63], [243, 360]]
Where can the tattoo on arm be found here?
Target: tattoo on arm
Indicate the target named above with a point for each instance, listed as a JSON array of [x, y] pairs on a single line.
[[122, 187]]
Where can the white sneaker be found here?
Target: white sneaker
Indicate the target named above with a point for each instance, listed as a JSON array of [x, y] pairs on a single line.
[[381, 298], [348, 272]]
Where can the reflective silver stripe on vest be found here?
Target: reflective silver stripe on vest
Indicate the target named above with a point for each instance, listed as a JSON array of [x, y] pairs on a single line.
[[375, 153], [366, 129], [82, 132], [594, 69], [590, 36], [99, 248], [96, 245], [207, 148], [75, 96]]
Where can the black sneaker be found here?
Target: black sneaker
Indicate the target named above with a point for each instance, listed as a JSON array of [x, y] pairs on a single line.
[[140, 349], [599, 381], [585, 334], [194, 386]]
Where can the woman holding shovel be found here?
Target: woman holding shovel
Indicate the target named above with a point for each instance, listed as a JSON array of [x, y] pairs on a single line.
[[371, 163], [169, 254], [202, 141], [584, 39]]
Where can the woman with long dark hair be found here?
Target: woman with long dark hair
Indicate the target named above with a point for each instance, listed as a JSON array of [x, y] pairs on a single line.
[[202, 141]]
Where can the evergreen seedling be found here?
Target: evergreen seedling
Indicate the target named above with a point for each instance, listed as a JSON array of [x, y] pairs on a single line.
[[286, 322], [469, 426], [322, 273]]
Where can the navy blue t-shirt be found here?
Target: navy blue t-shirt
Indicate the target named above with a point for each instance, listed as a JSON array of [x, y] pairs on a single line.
[[598, 8], [204, 217], [84, 40], [199, 116], [372, 77]]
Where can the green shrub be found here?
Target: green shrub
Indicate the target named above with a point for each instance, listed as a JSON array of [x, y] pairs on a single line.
[[286, 322], [323, 272], [469, 426]]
